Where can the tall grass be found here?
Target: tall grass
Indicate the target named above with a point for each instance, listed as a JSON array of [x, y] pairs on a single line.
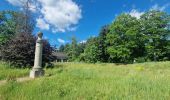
[[7, 72], [80, 81]]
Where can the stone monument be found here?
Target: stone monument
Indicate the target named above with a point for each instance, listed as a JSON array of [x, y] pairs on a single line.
[[37, 70]]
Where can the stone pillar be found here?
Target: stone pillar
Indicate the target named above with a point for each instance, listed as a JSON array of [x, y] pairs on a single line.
[[37, 70]]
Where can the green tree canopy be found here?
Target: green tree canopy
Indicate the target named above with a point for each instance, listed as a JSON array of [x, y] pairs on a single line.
[[154, 26], [7, 25], [122, 38]]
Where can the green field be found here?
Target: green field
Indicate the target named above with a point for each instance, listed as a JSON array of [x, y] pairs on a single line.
[[6, 72], [80, 81]]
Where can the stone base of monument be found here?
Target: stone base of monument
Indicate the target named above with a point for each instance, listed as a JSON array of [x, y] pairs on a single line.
[[36, 73]]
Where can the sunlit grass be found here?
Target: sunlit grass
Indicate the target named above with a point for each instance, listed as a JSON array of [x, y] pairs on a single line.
[[80, 81], [7, 72]]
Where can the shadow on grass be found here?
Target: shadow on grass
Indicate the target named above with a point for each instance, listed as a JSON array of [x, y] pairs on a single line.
[[59, 66], [57, 69]]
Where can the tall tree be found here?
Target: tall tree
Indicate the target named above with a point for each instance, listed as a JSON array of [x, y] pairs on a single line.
[[61, 48], [103, 55], [155, 28], [67, 48], [7, 25], [91, 51], [25, 20], [122, 38], [74, 49], [19, 51]]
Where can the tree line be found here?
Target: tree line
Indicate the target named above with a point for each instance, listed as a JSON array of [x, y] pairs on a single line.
[[126, 40]]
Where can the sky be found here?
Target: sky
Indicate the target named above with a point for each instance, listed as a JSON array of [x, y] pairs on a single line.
[[60, 20]]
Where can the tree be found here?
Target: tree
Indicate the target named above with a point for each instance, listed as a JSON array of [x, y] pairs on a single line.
[[103, 55], [25, 20], [61, 48], [20, 51], [155, 29], [126, 40], [16, 22], [67, 48], [81, 47], [72, 50], [7, 26], [122, 39], [47, 55], [91, 51]]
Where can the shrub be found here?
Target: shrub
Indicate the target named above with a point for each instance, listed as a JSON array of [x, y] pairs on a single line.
[[141, 59], [20, 50]]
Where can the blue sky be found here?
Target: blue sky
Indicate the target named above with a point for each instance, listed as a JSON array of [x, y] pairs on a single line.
[[60, 20]]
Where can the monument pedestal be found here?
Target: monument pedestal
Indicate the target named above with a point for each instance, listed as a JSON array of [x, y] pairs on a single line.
[[36, 73]]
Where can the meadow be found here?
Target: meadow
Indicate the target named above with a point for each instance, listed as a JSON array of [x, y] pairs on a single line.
[[82, 81], [7, 72]]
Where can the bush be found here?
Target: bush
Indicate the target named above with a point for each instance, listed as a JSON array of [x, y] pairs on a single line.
[[141, 59], [20, 51]]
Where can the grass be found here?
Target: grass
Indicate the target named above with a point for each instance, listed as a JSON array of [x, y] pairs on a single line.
[[6, 72], [80, 81]]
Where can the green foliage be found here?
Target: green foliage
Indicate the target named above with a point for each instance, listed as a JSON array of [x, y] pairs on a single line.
[[73, 54], [61, 48], [122, 39], [12, 23], [7, 25], [73, 50], [91, 51], [156, 32], [103, 55], [127, 40]]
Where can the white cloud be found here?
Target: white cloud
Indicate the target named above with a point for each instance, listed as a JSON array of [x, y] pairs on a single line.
[[52, 41], [16, 2], [136, 13], [83, 41], [61, 41], [61, 15], [42, 24], [161, 8]]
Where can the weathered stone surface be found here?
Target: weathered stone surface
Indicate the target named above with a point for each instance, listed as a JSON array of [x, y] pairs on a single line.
[[36, 73], [37, 70]]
